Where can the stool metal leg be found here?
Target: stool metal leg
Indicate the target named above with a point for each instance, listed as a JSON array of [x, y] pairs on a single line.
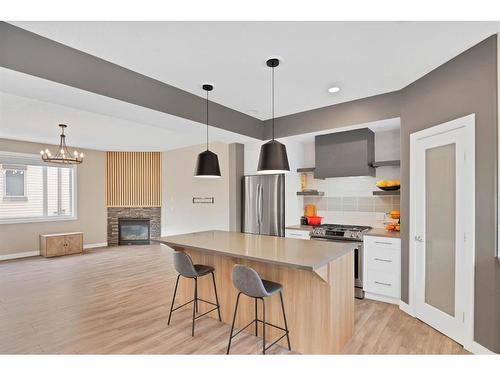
[[195, 303], [263, 326], [216, 298], [256, 322], [234, 320], [284, 318], [173, 300]]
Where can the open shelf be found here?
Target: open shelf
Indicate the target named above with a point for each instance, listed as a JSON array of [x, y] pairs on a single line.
[[386, 163], [382, 192], [305, 170], [311, 193]]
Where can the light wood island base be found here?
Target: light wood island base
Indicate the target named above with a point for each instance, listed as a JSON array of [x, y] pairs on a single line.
[[319, 304]]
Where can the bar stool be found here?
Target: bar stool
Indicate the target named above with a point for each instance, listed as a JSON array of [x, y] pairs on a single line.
[[248, 282], [184, 266]]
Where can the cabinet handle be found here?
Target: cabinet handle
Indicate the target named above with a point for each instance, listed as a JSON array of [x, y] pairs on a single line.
[[383, 243], [380, 283], [383, 260]]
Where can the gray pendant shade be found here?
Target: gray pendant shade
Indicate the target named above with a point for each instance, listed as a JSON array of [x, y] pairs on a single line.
[[273, 158], [207, 165]]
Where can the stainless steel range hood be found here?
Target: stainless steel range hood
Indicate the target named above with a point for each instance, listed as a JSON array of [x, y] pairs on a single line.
[[345, 154]]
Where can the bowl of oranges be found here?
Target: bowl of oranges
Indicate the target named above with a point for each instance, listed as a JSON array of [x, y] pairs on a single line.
[[389, 185]]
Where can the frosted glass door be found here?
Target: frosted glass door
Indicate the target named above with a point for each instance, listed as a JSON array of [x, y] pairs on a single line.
[[440, 227]]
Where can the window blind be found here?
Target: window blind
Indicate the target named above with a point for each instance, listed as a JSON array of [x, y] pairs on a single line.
[[49, 190]]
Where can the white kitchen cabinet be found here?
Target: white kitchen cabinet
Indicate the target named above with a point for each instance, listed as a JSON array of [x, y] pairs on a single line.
[[295, 233], [382, 268]]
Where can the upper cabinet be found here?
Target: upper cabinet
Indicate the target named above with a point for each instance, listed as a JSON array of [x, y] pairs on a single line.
[[345, 154]]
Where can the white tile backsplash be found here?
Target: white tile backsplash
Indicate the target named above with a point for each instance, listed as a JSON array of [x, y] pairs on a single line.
[[351, 218]]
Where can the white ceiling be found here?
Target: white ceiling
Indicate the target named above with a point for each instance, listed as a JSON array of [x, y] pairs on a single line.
[[363, 58], [31, 108]]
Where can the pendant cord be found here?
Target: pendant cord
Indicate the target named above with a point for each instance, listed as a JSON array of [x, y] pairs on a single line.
[[207, 120], [273, 99]]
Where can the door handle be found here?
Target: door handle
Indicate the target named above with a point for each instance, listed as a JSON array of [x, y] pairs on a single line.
[[419, 239]]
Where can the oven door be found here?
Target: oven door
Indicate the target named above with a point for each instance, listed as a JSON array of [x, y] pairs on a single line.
[[358, 272]]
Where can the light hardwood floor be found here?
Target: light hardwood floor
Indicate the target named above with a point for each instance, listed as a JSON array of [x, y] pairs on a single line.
[[116, 300]]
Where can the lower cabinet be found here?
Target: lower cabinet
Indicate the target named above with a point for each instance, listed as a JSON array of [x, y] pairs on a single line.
[[53, 245], [382, 268]]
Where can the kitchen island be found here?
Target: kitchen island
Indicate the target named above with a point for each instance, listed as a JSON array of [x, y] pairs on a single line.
[[317, 279]]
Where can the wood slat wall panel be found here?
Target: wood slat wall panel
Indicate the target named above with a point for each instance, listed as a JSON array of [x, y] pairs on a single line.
[[133, 179]]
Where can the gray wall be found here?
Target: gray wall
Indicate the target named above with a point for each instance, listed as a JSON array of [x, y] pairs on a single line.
[[236, 170], [467, 84]]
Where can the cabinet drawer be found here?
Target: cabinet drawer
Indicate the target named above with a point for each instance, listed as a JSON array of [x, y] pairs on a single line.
[[301, 234], [383, 259], [386, 284], [384, 242]]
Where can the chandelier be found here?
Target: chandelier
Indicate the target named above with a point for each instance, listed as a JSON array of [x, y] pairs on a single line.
[[63, 155]]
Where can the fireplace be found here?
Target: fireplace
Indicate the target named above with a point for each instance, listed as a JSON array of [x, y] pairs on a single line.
[[133, 231]]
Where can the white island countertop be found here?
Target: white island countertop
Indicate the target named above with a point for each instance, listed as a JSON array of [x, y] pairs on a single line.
[[290, 252]]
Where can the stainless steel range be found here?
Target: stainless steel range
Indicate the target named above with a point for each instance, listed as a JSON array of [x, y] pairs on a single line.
[[350, 233]]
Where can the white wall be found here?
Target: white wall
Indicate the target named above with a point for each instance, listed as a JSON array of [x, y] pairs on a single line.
[[179, 214], [295, 150]]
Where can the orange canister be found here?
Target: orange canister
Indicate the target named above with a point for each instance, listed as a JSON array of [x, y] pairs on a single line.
[[310, 210]]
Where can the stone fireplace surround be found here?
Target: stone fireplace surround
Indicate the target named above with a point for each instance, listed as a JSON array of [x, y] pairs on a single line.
[[115, 213]]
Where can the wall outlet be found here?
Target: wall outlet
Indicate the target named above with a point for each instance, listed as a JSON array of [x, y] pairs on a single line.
[[379, 216]]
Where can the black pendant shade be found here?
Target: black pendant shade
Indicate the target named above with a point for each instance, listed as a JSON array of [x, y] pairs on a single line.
[[273, 158], [207, 165]]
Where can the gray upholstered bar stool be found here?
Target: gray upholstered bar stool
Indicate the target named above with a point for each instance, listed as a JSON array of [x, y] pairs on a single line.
[[184, 265], [248, 282]]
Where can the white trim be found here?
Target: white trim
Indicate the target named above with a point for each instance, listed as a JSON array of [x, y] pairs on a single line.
[[41, 219], [467, 122], [94, 245], [20, 255], [403, 306], [381, 298], [477, 348]]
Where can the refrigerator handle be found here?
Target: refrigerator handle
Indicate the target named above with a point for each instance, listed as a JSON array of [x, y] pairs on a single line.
[[257, 202], [261, 203]]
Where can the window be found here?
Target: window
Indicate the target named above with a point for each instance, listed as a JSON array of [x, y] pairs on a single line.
[[32, 190], [15, 181]]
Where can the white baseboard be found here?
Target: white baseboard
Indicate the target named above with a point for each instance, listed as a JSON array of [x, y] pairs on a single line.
[[476, 348], [403, 306], [378, 297], [94, 245], [20, 255]]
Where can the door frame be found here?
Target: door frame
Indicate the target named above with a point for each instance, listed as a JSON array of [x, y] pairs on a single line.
[[468, 123]]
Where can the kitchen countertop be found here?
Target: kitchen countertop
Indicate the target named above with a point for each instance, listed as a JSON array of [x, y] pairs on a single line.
[[381, 232], [306, 228], [290, 252]]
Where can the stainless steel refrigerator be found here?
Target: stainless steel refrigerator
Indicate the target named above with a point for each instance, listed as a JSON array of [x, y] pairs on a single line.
[[264, 204]]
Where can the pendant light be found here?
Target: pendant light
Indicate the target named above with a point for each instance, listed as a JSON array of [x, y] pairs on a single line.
[[273, 158], [63, 155], [207, 165]]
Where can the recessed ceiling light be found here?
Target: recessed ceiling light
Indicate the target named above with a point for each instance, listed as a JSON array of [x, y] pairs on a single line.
[[333, 89]]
